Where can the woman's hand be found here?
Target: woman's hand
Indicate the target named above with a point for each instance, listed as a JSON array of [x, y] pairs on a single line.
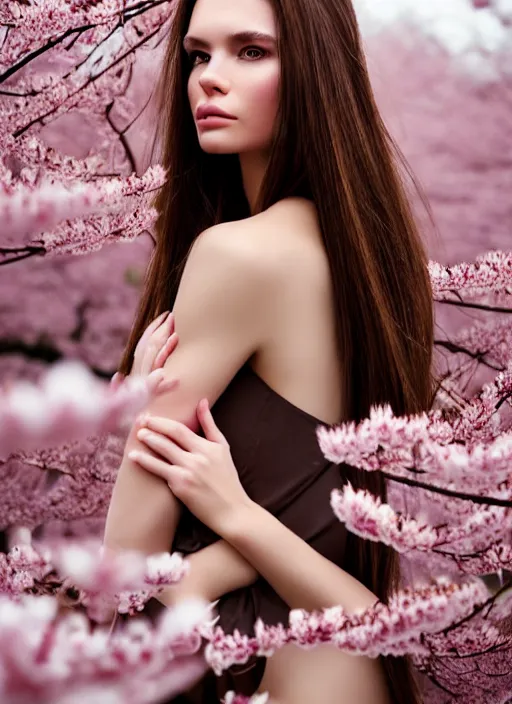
[[199, 471], [155, 346]]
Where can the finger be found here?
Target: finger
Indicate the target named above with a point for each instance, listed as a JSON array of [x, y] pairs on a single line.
[[165, 329], [211, 431], [116, 381], [159, 320], [166, 351], [157, 341], [163, 446], [156, 466], [166, 318], [151, 328], [170, 323], [158, 384], [166, 386], [150, 352], [154, 379], [176, 431]]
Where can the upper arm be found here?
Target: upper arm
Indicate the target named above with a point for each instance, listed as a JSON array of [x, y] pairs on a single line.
[[220, 318], [219, 312]]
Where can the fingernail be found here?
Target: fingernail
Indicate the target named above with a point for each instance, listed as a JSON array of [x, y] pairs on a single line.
[[133, 455], [144, 434]]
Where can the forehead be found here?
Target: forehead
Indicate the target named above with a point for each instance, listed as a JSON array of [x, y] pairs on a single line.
[[212, 19]]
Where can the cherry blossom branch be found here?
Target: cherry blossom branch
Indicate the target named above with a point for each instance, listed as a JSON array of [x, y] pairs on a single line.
[[124, 582], [21, 253], [482, 342], [70, 404], [58, 659], [36, 156], [474, 544], [118, 30], [66, 484], [466, 451], [482, 500], [32, 25], [73, 91], [90, 569], [394, 629], [491, 272], [474, 306], [26, 211]]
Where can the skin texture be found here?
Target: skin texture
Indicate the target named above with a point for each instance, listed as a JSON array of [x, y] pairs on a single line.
[[240, 77], [202, 474], [234, 268]]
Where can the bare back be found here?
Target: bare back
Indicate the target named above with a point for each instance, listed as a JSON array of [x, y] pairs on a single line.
[[300, 360]]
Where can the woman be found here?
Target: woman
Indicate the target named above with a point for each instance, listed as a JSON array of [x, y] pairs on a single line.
[[288, 253]]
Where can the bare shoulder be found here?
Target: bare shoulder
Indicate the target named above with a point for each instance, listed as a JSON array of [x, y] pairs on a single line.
[[267, 249], [289, 235], [230, 276], [228, 257], [295, 218], [232, 245]]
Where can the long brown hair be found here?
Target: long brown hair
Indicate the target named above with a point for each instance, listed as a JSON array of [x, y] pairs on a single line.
[[331, 145]]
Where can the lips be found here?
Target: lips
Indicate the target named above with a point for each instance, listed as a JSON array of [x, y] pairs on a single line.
[[204, 111]]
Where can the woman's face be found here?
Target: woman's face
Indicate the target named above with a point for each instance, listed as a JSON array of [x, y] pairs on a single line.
[[239, 75]]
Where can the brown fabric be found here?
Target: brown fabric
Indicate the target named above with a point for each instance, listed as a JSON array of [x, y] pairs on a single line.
[[275, 449]]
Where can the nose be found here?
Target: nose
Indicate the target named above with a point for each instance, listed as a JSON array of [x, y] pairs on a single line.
[[211, 80]]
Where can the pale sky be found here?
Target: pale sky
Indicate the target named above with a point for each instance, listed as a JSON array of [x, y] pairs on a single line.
[[475, 37]]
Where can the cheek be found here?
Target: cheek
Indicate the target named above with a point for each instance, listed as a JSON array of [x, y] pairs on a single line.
[[265, 93], [264, 101], [195, 93], [192, 92]]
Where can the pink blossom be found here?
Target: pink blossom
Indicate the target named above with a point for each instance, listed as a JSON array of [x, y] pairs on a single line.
[[125, 582], [426, 443], [491, 273], [29, 210], [47, 658], [476, 544], [69, 404], [394, 629], [450, 489]]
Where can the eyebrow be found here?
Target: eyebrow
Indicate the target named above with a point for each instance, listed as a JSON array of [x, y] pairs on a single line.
[[189, 42]]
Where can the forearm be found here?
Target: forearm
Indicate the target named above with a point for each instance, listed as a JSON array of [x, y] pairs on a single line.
[[143, 513], [214, 571], [298, 573]]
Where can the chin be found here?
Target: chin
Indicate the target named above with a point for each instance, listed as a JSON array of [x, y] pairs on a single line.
[[213, 145], [213, 148]]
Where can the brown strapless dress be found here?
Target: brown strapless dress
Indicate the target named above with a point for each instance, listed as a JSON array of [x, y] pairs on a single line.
[[275, 449]]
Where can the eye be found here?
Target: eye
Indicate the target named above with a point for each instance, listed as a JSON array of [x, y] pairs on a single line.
[[261, 52], [194, 55]]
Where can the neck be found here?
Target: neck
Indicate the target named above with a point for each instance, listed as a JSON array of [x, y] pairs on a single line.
[[253, 166]]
